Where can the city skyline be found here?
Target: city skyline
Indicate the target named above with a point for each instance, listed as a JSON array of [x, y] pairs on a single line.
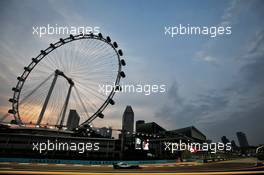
[[214, 84]]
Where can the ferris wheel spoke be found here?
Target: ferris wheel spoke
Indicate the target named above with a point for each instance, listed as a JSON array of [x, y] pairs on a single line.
[[36, 88], [103, 77], [91, 59], [82, 103], [90, 83], [106, 60], [86, 63], [30, 110], [93, 91], [97, 64], [82, 106], [87, 101], [100, 70], [49, 62], [32, 100], [94, 58], [92, 75]]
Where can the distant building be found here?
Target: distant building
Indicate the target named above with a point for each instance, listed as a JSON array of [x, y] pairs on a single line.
[[128, 120], [149, 128], [191, 132], [233, 144], [17, 143], [139, 122], [242, 139], [73, 120], [225, 140]]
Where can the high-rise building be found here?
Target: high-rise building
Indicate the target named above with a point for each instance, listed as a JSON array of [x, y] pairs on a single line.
[[242, 139], [73, 119], [225, 140], [233, 144], [128, 120]]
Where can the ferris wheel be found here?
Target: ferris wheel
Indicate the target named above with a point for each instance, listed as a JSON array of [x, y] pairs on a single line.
[[67, 76]]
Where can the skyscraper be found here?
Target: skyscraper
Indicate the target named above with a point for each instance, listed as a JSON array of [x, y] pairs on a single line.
[[73, 120], [225, 140], [242, 139], [234, 146], [128, 120]]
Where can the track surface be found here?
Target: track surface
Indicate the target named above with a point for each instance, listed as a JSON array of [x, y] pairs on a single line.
[[246, 165]]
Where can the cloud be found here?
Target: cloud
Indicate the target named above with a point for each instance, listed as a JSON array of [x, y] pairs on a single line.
[[229, 13], [236, 107], [256, 47], [246, 94], [217, 111], [204, 56], [182, 112], [213, 111], [18, 45], [174, 95], [252, 64]]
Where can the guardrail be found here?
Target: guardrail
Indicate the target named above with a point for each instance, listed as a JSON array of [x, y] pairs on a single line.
[[87, 162]]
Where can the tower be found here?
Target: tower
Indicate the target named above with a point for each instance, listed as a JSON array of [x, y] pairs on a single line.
[[73, 119], [242, 139], [128, 120]]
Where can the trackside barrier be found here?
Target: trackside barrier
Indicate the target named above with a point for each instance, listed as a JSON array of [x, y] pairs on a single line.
[[87, 162]]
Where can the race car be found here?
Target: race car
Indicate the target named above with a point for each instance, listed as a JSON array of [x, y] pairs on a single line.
[[123, 165]]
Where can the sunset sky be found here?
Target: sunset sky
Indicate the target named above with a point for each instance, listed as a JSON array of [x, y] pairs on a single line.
[[215, 84]]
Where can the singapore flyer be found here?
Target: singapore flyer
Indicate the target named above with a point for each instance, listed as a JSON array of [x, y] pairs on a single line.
[[66, 76]]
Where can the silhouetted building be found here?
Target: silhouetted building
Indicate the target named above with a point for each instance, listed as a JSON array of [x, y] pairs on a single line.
[[242, 139], [105, 132], [128, 120], [17, 143], [73, 119], [233, 144], [191, 132], [225, 140], [149, 128], [139, 122]]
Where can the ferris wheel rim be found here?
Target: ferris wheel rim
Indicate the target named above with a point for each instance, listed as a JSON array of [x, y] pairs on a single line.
[[53, 46]]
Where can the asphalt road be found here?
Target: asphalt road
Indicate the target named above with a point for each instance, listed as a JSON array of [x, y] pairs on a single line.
[[225, 167]]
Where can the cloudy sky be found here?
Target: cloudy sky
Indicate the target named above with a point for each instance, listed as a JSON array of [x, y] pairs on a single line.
[[215, 84]]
